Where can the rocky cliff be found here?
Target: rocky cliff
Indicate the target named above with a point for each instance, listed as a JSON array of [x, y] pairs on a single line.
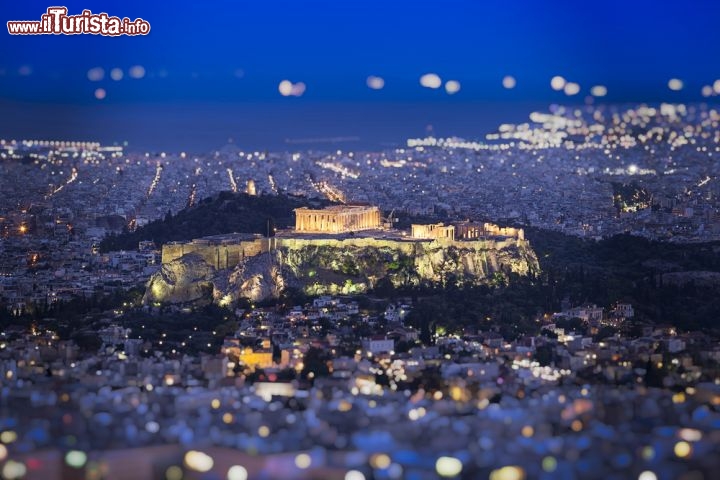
[[335, 267]]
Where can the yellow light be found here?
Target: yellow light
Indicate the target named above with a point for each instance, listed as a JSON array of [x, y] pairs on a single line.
[[8, 436], [448, 466], [263, 431], [215, 404], [227, 418], [508, 473], [198, 461], [303, 461], [527, 431], [647, 475], [682, 449], [173, 473], [13, 470], [549, 464], [380, 461]]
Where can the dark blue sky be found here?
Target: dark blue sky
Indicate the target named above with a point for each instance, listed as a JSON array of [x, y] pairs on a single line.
[[212, 63]]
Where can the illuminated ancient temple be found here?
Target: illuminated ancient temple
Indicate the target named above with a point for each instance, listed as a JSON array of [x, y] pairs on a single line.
[[337, 219]]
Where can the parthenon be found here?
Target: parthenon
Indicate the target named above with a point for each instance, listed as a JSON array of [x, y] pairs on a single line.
[[337, 219]]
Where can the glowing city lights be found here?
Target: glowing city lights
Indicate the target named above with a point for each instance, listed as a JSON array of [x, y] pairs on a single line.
[[290, 89], [96, 74], [137, 72], [198, 461], [431, 80], [76, 458], [452, 87], [557, 83], [549, 464], [509, 82], [354, 475], [173, 472], [303, 461], [237, 472], [448, 466], [285, 88], [716, 86], [508, 473], [117, 74], [675, 84], [598, 91], [682, 449], [100, 93], [375, 83], [647, 475], [571, 88], [380, 461], [12, 470]]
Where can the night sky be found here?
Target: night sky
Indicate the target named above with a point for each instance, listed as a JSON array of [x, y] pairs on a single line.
[[212, 68]]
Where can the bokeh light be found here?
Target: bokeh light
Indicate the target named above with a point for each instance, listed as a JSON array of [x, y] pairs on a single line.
[[198, 461], [431, 80], [137, 72], [96, 74], [13, 470], [452, 87], [675, 84], [100, 93], [571, 88], [509, 82], [448, 466], [75, 458], [354, 475], [557, 83], [303, 461], [598, 91], [375, 83], [117, 74], [237, 472]]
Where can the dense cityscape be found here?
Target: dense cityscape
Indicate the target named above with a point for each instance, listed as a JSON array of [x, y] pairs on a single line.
[[360, 240], [355, 386]]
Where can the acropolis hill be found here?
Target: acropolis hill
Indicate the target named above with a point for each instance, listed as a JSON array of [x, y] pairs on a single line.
[[338, 249]]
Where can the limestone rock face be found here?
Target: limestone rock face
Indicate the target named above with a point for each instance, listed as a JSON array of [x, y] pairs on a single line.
[[324, 268], [187, 279]]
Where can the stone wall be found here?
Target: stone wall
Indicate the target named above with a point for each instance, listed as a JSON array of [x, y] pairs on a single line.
[[221, 256]]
